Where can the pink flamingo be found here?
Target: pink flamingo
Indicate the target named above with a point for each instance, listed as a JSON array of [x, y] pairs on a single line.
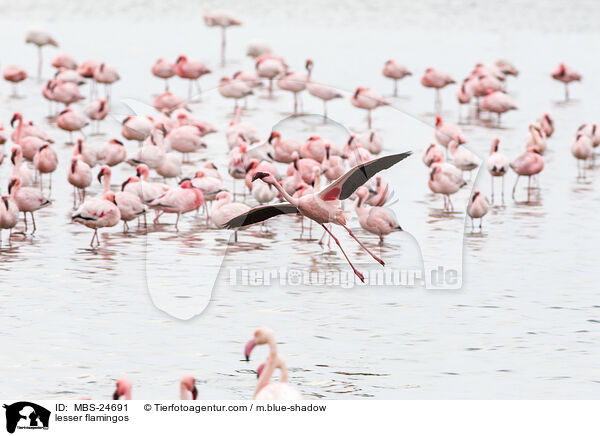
[[436, 79], [269, 66], [182, 199], [27, 199], [445, 179], [444, 133], [14, 74], [45, 161], [187, 388], [463, 158], [304, 167], [222, 19], [364, 98], [375, 220], [130, 206], [321, 207], [97, 111], [40, 38], [264, 389], [20, 170], [164, 69], [191, 70], [547, 124], [536, 138], [464, 94], [321, 91], [294, 83], [506, 67], [255, 165], [565, 74], [314, 148], [107, 75], [112, 153], [582, 149], [380, 195], [63, 60], [186, 139], [225, 210], [333, 165], [498, 102], [477, 207], [80, 176], [528, 164], [9, 214], [497, 165], [123, 390], [232, 88], [71, 121], [97, 213], [432, 154], [167, 102], [395, 71], [136, 127], [140, 185], [283, 150], [87, 153], [62, 92]]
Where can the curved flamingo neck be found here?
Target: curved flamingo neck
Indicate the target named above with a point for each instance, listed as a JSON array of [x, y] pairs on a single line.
[[19, 131], [289, 198], [106, 182]]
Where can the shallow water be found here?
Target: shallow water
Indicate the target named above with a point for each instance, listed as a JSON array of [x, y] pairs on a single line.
[[524, 324]]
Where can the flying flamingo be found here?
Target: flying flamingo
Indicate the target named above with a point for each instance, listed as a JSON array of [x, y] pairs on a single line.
[[222, 19], [319, 90], [321, 207], [375, 220], [528, 164], [477, 208], [265, 390], [395, 71], [27, 199], [187, 388], [123, 390], [565, 74], [164, 69], [40, 38], [364, 98], [436, 79], [497, 165], [14, 74]]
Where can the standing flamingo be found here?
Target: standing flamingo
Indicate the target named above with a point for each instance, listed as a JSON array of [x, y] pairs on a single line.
[[566, 75], [477, 207], [164, 69], [321, 207], [528, 164], [191, 70], [187, 388], [14, 74], [123, 390], [375, 220], [182, 199], [395, 71], [96, 213], [497, 165], [323, 92], [28, 199], [436, 79], [582, 149], [39, 38], [364, 98], [222, 19], [129, 204]]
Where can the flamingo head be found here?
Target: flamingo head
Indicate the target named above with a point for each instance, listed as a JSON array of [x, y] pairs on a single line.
[[438, 121], [434, 169], [495, 143], [109, 196], [123, 389], [104, 171], [253, 163], [188, 383], [309, 64], [223, 195], [181, 58], [141, 170], [274, 135], [265, 177], [262, 336], [475, 195], [16, 116], [116, 141], [14, 152], [186, 184], [14, 183]]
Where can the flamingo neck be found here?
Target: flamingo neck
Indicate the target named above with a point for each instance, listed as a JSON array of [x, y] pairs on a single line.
[[19, 131], [293, 201], [106, 183], [267, 373]]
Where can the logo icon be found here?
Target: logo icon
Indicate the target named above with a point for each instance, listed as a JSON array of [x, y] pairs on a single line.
[[26, 415]]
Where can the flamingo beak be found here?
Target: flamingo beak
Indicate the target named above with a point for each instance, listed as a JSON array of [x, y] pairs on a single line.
[[248, 349], [116, 394], [13, 119], [259, 175], [270, 138], [13, 156], [100, 174], [259, 370], [10, 185], [124, 184], [194, 393]]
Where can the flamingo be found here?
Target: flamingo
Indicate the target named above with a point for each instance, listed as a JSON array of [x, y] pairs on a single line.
[[80, 176], [432, 154], [182, 199], [106, 74], [370, 140], [535, 138], [45, 161], [164, 69], [112, 153], [136, 127], [547, 124], [26, 129], [167, 102], [87, 153], [528, 164], [436, 79], [283, 151], [123, 390], [294, 83], [222, 19], [395, 71], [333, 165], [265, 390], [464, 159], [191, 70], [63, 60], [364, 98], [130, 206], [97, 111], [375, 220], [96, 213], [498, 102], [140, 186], [20, 170], [313, 148], [224, 210], [497, 165], [565, 74], [187, 388], [40, 38], [506, 67], [256, 48], [444, 133], [324, 92], [186, 139], [71, 121], [9, 213], [321, 207], [236, 89], [582, 149], [14, 74], [380, 195], [464, 94], [269, 66], [477, 207], [445, 179], [66, 75], [27, 199]]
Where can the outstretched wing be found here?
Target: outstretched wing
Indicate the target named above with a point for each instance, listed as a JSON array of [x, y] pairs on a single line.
[[259, 214], [343, 187]]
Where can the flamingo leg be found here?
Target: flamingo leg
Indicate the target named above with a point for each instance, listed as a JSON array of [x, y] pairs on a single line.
[[33, 220], [25, 219], [357, 272], [223, 44], [515, 187], [492, 189], [363, 246], [395, 87]]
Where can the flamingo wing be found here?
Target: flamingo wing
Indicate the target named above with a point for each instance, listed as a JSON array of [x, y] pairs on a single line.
[[259, 214], [345, 186]]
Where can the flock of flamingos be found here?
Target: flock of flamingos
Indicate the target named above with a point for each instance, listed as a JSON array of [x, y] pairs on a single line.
[[317, 177]]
